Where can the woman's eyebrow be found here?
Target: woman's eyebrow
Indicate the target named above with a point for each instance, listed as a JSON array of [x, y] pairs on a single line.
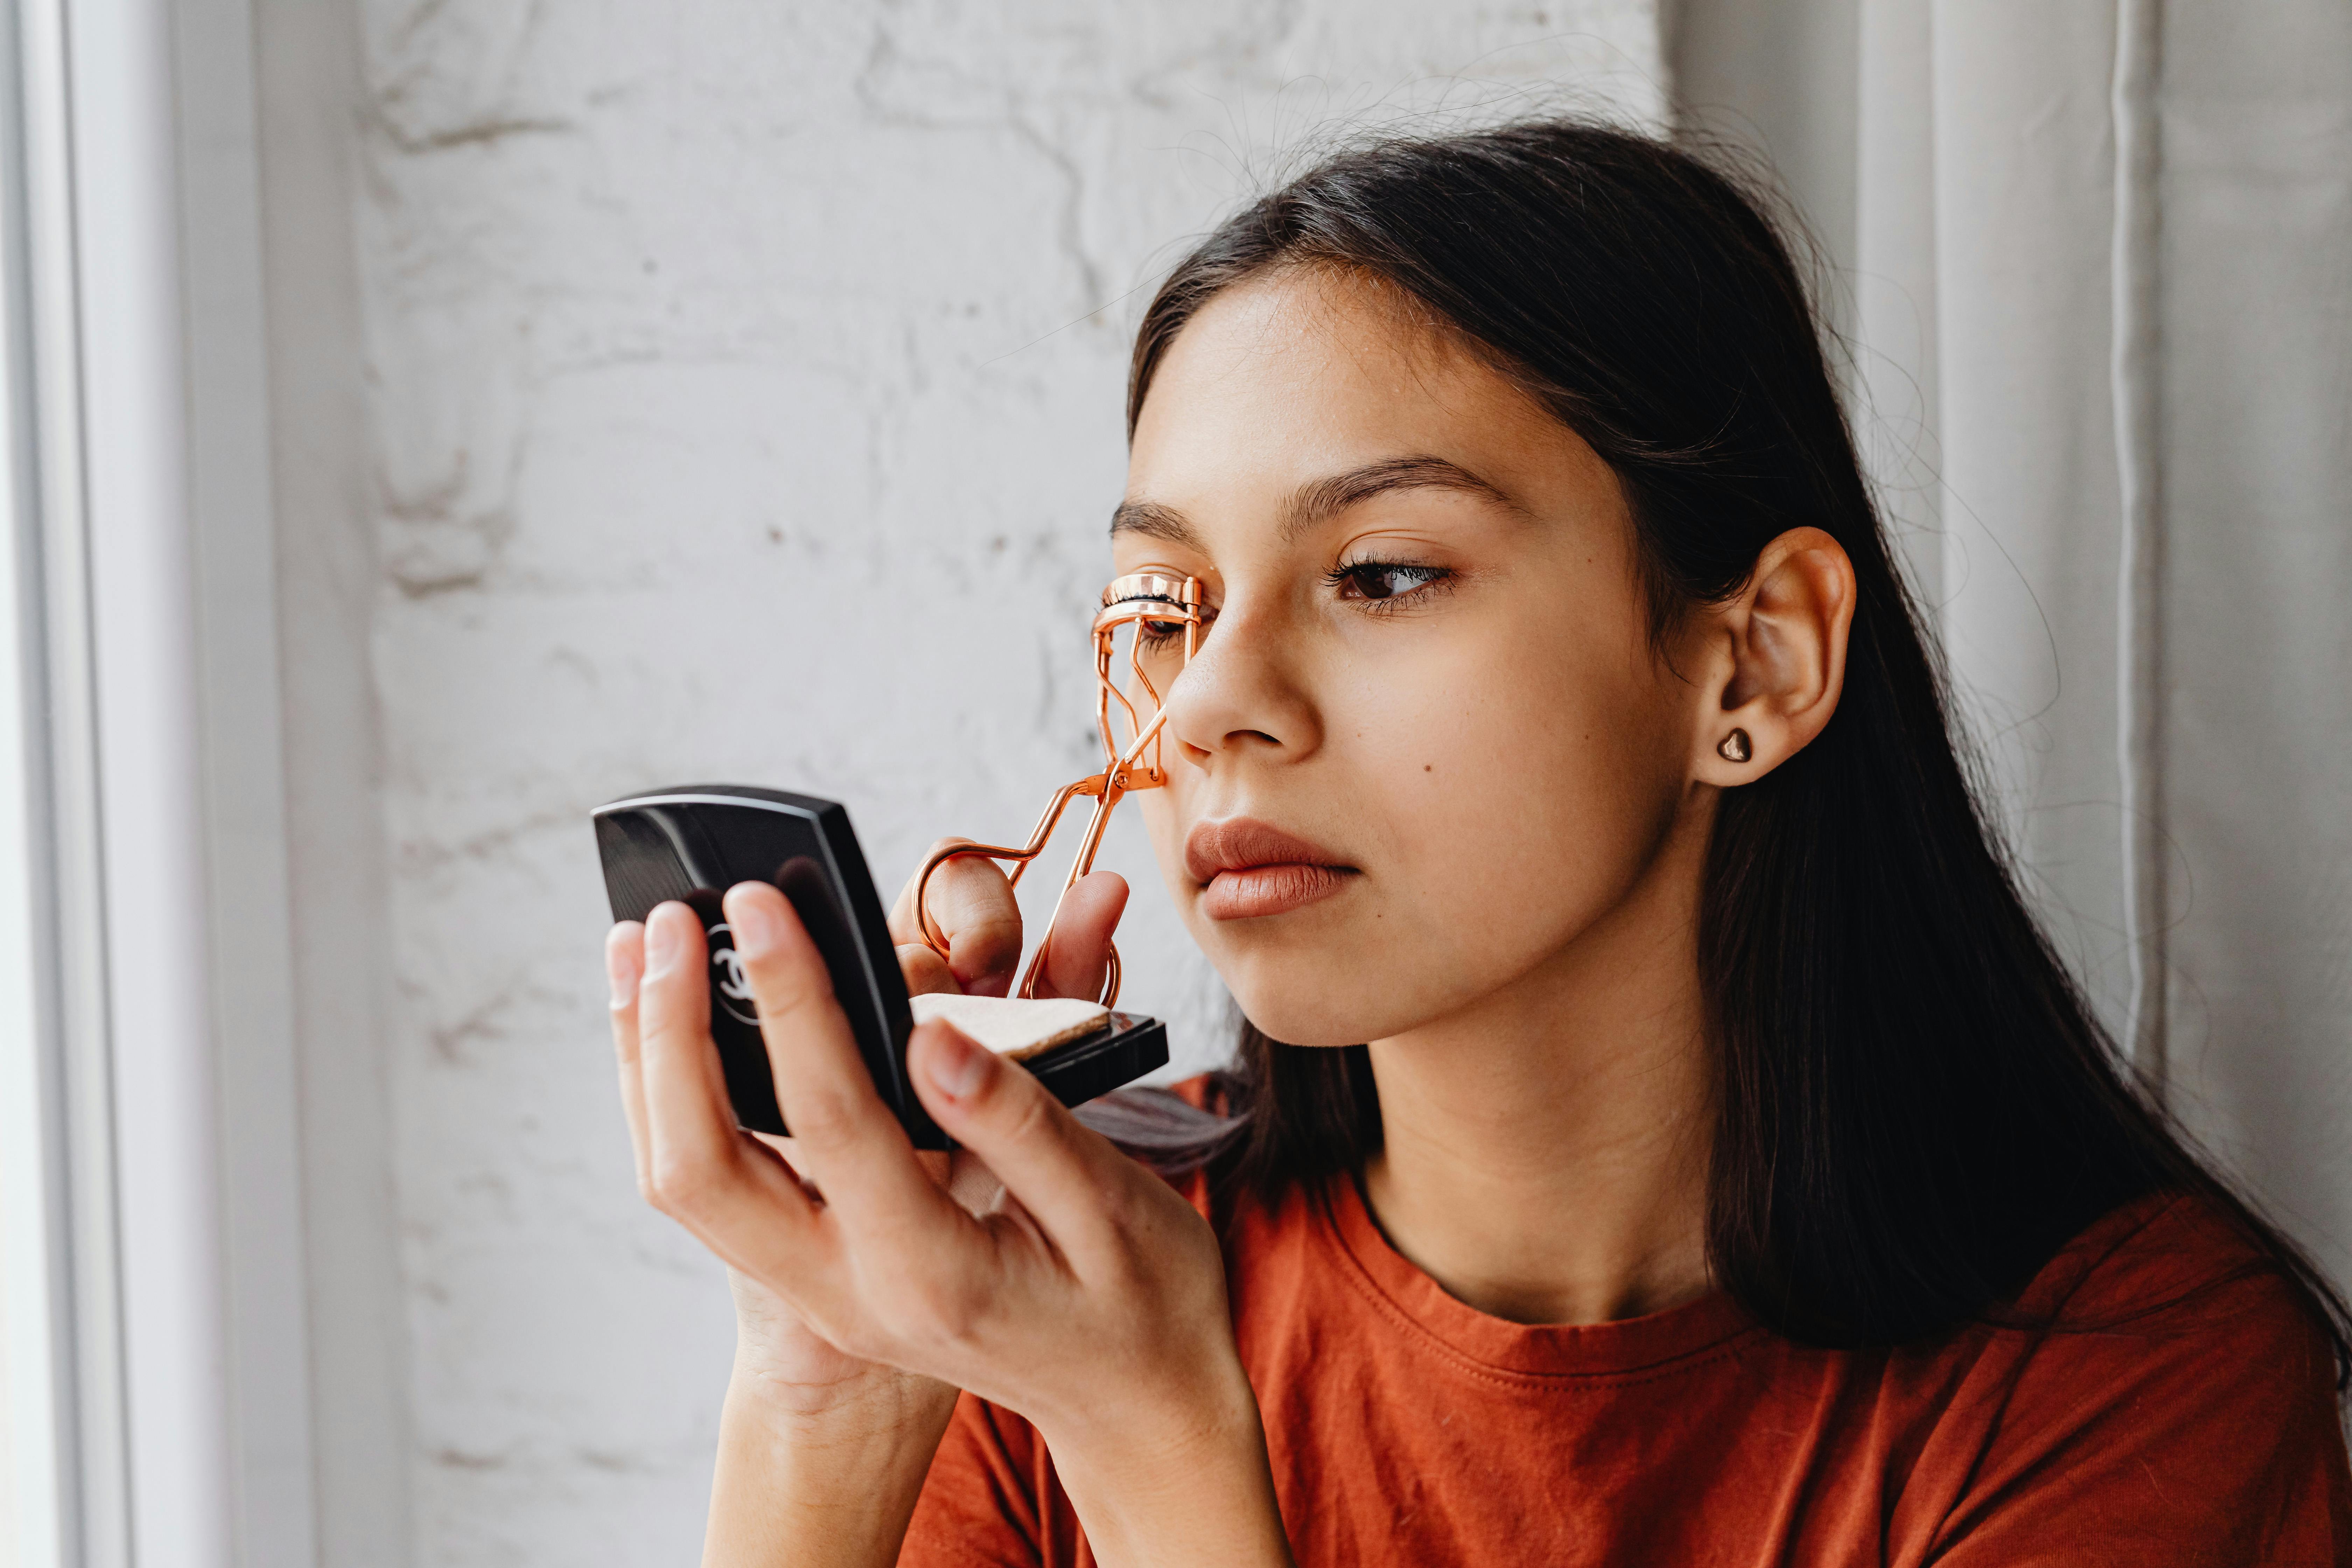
[[1153, 521], [1318, 502]]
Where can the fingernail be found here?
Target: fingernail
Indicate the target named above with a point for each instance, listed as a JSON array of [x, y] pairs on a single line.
[[754, 923], [957, 1065], [662, 945], [621, 965]]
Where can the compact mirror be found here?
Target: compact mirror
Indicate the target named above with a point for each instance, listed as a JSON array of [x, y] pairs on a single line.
[[693, 842]]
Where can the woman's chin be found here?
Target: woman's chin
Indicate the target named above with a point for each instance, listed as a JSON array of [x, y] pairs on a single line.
[[1317, 1018], [1319, 1038], [1306, 981]]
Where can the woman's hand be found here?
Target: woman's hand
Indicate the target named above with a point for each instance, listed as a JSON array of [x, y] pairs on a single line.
[[1084, 1294], [779, 1361], [821, 1455], [793, 1394]]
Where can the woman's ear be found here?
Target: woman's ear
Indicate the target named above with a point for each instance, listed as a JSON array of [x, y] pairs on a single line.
[[1775, 660]]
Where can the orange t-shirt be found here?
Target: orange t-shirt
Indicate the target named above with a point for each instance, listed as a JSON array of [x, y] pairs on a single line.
[[2191, 1420]]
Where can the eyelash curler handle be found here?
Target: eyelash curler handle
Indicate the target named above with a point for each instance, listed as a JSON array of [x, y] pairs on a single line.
[[1128, 601], [937, 939]]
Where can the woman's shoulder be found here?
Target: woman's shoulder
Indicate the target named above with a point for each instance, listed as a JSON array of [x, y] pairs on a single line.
[[2174, 1265], [2168, 1304], [2162, 1374]]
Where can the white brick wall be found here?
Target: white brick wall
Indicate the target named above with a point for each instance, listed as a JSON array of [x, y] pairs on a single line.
[[745, 401]]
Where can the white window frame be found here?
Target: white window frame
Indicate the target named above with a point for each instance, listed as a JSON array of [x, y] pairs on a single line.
[[154, 1376]]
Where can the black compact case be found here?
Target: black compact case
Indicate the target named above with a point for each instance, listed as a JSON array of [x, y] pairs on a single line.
[[693, 842]]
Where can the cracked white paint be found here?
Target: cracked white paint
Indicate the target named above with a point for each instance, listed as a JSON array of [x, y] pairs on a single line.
[[746, 386]]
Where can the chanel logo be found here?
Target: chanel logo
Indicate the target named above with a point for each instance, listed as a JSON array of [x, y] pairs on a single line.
[[728, 980]]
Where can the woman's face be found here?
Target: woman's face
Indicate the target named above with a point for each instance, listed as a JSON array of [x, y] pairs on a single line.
[[1425, 744]]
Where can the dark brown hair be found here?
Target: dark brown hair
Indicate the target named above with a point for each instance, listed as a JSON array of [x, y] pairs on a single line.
[[1916, 1108]]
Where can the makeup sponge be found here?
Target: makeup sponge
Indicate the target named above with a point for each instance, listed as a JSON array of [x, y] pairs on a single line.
[[1013, 1026]]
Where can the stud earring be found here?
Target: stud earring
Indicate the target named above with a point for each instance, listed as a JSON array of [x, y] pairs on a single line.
[[1735, 747]]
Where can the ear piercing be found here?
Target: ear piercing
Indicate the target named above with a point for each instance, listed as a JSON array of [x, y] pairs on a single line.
[[1735, 747]]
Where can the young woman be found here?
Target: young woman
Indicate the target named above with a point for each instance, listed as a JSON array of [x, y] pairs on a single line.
[[1683, 1147]]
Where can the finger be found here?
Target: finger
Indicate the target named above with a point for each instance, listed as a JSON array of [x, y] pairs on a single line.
[[925, 971], [844, 1138], [1057, 1169], [936, 1162], [699, 1169], [625, 966], [904, 927], [971, 902], [1078, 952]]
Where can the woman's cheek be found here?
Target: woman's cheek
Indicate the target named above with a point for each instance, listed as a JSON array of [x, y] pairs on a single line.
[[1492, 839], [1164, 824], [1491, 829]]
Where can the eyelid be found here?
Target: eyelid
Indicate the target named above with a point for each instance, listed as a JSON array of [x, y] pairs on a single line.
[[1391, 564], [1153, 567], [1156, 567]]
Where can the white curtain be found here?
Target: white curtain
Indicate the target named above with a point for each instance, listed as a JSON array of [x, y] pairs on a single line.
[[2102, 293]]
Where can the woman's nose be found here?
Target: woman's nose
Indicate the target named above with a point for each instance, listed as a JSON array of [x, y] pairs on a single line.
[[1242, 695]]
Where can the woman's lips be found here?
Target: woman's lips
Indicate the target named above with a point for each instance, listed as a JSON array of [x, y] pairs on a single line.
[[1247, 868], [1269, 889]]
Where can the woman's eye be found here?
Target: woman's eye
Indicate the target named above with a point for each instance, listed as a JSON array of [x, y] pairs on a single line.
[[1158, 634], [1378, 580]]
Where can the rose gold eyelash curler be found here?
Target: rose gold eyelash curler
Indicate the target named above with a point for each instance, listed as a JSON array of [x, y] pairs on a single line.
[[1159, 608]]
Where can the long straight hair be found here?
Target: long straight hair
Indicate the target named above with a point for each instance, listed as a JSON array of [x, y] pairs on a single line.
[[1916, 1107]]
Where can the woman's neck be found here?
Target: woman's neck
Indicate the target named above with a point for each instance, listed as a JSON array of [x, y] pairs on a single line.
[[1545, 1155]]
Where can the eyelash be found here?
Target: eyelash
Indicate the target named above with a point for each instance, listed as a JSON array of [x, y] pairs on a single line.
[[1157, 634], [1356, 572]]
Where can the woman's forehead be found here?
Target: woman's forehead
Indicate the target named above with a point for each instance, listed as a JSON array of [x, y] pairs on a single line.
[[1327, 337], [1282, 385]]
